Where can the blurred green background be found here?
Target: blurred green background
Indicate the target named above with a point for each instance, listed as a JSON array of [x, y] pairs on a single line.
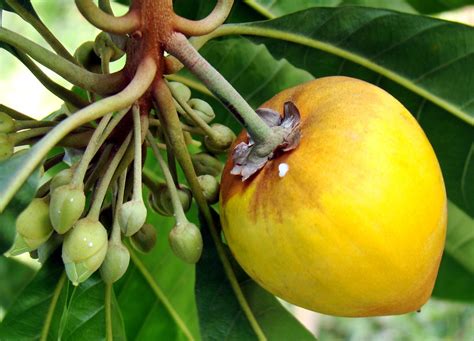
[[438, 320]]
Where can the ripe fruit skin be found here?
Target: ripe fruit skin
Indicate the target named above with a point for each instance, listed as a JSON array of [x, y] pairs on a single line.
[[356, 226]]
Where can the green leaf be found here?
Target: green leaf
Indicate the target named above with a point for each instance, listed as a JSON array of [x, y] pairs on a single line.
[[52, 308], [272, 9], [19, 202], [10, 286], [454, 282], [156, 295], [220, 315], [436, 6]]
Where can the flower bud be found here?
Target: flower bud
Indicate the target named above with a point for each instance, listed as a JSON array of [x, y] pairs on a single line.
[[182, 91], [224, 140], [145, 239], [6, 147], [164, 197], [84, 249], [186, 242], [206, 164], [62, 178], [115, 263], [104, 41], [33, 227], [7, 124], [132, 216], [202, 109], [66, 207], [209, 188]]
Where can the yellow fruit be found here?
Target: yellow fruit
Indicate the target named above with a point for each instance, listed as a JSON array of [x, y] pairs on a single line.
[[353, 221]]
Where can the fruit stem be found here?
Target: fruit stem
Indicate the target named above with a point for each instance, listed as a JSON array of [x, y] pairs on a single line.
[[185, 127], [91, 150], [108, 311], [180, 47], [107, 22], [137, 161], [30, 124], [105, 56], [115, 235], [99, 167], [99, 83], [141, 81], [172, 128], [177, 206], [104, 183], [112, 124], [13, 113], [41, 28]]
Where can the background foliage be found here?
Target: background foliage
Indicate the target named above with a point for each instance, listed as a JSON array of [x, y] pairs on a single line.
[[424, 62]]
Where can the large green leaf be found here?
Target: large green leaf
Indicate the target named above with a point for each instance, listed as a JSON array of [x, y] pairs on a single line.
[[220, 315], [272, 9], [50, 307], [436, 6]]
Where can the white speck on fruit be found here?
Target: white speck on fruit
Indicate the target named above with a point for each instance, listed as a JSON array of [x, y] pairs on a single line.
[[90, 244], [282, 169]]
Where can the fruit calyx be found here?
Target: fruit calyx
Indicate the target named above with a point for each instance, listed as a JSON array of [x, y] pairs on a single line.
[[249, 157]]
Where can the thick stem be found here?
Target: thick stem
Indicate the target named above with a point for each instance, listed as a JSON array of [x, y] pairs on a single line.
[[187, 54], [41, 28], [104, 183], [208, 24], [139, 84], [17, 138], [175, 202], [107, 22], [195, 130], [29, 124], [108, 311], [13, 113], [137, 161], [99, 83]]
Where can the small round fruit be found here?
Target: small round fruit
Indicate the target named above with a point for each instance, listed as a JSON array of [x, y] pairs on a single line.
[[66, 207], [7, 124], [33, 227], [145, 239], [62, 178], [84, 249], [182, 91], [186, 242], [132, 216], [222, 142], [202, 109], [115, 263], [209, 187], [185, 197], [206, 164], [355, 224]]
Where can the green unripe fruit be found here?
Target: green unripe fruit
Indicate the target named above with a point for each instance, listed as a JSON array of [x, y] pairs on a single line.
[[115, 263], [6, 147], [186, 242], [7, 124], [33, 227], [145, 239], [202, 109], [182, 91], [66, 207], [102, 42], [87, 58], [132, 216], [206, 164], [164, 197], [222, 142], [62, 178], [84, 249], [209, 188]]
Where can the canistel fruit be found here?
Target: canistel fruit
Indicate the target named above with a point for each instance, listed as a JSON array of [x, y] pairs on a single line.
[[353, 221]]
